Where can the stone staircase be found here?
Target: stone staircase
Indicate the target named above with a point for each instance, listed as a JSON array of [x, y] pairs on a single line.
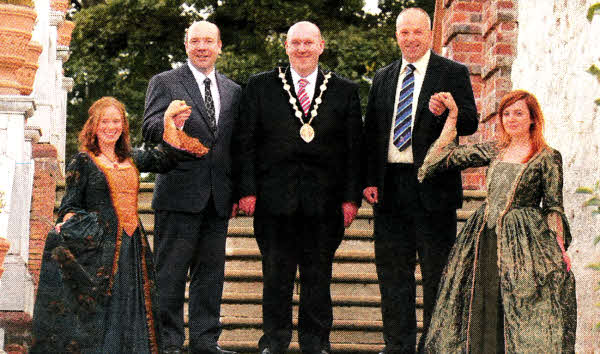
[[357, 323]]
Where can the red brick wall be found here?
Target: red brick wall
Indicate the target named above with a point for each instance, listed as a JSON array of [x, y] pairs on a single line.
[[482, 34], [47, 172]]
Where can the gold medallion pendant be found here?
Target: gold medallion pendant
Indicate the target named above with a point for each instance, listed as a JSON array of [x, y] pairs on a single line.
[[307, 133]]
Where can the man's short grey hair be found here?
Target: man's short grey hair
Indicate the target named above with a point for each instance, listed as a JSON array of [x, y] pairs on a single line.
[[413, 9]]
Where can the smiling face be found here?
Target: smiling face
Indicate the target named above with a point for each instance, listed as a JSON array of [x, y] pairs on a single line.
[[516, 120], [303, 46], [110, 126], [203, 45], [413, 34]]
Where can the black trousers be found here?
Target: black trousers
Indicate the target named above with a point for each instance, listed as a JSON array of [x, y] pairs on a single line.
[[288, 242], [193, 242], [403, 229]]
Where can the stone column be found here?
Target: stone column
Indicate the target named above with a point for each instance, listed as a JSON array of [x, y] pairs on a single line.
[[556, 45], [15, 157], [16, 302]]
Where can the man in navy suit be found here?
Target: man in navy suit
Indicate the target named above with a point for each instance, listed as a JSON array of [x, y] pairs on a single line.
[[299, 168], [194, 201], [405, 115]]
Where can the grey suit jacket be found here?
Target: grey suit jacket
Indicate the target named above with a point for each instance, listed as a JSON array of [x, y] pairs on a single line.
[[190, 185]]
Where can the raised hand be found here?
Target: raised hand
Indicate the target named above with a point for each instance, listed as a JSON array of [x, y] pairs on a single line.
[[179, 111]]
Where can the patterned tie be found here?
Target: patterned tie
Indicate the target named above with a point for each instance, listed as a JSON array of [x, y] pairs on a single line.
[[303, 96], [210, 105], [402, 123]]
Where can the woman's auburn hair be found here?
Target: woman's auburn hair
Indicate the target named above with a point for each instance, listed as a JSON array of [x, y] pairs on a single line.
[[536, 129], [88, 138]]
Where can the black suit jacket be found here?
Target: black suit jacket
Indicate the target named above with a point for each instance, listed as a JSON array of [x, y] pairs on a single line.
[[285, 173], [189, 186], [445, 190]]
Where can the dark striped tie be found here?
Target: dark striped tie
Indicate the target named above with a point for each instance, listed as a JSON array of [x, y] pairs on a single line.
[[210, 105], [303, 96], [402, 123]]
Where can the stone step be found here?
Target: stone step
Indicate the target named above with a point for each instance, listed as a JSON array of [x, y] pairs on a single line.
[[343, 334], [355, 293], [345, 307]]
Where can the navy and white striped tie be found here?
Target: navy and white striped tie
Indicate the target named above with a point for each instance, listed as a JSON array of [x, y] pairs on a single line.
[[403, 121]]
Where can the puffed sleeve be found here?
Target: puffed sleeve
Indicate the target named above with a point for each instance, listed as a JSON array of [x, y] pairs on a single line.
[[552, 201], [76, 179], [453, 156], [176, 146]]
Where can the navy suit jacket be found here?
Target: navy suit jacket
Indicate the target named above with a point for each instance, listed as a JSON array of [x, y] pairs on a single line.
[[444, 191], [189, 186]]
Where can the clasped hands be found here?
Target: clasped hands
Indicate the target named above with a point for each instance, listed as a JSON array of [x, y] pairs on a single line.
[[179, 111], [349, 209], [438, 103]]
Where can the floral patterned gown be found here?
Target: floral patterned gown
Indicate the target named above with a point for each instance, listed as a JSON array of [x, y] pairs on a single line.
[[505, 287], [97, 291]]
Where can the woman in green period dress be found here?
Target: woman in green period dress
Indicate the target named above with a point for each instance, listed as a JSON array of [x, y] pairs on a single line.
[[96, 291], [507, 286]]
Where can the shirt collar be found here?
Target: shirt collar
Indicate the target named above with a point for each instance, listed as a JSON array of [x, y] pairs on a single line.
[[200, 76], [312, 77], [420, 65]]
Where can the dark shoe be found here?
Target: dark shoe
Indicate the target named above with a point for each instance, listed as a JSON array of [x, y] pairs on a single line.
[[218, 350], [172, 349]]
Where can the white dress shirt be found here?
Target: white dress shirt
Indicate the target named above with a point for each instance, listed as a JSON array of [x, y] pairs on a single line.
[[310, 87], [406, 155], [214, 89]]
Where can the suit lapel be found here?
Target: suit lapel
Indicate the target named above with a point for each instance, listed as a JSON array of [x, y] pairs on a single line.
[[320, 79], [225, 98], [391, 83], [189, 82], [432, 77]]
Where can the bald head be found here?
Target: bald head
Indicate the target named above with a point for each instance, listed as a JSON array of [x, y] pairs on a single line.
[[417, 12], [413, 33], [203, 26], [203, 45], [304, 27], [303, 46]]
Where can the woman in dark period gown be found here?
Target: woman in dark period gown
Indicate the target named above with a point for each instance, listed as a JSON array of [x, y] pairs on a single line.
[[507, 286], [96, 291]]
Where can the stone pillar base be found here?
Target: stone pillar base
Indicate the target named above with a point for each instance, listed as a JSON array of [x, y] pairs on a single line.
[[15, 332], [16, 286]]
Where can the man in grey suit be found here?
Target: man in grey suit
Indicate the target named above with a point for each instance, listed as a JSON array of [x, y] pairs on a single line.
[[193, 202]]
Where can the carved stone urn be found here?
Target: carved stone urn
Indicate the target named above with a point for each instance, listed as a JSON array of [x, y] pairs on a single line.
[[65, 30], [60, 5], [16, 26], [26, 74]]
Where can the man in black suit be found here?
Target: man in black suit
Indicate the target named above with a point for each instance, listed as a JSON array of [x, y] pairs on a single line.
[[194, 201], [405, 115], [299, 148]]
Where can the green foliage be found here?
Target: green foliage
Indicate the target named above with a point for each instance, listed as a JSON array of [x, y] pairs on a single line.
[[28, 3], [593, 10], [118, 45], [594, 70], [592, 201]]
